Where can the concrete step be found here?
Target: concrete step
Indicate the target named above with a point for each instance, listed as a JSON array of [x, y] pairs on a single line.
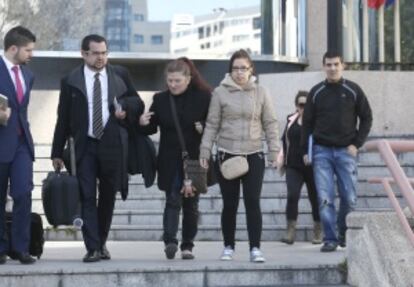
[[143, 232], [143, 264], [365, 170], [268, 204], [268, 189]]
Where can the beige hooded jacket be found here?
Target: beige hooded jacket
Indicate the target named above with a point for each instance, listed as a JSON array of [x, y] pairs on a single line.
[[237, 118]]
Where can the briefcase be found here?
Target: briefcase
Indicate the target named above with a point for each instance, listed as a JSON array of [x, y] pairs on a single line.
[[61, 195], [37, 239]]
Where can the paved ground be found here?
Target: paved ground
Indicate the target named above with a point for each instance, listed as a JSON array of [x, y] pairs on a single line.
[[66, 257]]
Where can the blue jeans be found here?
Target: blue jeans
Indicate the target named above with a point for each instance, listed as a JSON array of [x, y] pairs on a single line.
[[327, 163]]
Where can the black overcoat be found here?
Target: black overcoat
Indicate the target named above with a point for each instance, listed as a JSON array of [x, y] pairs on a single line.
[[194, 109]]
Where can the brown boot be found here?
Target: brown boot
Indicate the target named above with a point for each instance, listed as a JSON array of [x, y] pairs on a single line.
[[291, 232], [317, 233]]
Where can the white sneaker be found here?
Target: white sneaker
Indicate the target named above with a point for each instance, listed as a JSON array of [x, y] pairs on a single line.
[[256, 255], [227, 254]]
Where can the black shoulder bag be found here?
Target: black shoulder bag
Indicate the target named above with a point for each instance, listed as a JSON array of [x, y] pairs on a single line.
[[193, 171]]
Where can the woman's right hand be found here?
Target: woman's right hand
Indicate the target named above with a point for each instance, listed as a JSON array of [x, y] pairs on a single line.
[[145, 118], [204, 163]]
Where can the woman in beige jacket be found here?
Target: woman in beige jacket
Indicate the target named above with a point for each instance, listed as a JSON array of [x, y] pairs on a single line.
[[239, 112]]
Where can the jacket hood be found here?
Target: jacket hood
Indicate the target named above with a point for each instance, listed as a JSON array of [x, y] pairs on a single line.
[[229, 84]]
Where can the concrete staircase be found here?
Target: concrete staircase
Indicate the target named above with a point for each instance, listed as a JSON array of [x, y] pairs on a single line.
[[140, 216]]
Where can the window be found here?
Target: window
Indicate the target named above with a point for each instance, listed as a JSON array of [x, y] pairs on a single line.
[[208, 45], [257, 23], [201, 33], [139, 17], [157, 40], [257, 35], [208, 31], [138, 39], [239, 38]]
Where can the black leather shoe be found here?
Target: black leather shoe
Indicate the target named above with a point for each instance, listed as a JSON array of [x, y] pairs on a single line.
[[25, 258], [329, 247], [3, 258], [105, 255], [92, 256]]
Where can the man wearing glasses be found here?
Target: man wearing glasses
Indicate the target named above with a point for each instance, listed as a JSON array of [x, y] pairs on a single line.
[[97, 102]]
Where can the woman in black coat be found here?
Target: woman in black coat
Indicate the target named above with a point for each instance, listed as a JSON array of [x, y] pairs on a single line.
[[192, 98]]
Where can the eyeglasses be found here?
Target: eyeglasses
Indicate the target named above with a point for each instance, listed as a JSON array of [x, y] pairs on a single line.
[[301, 106], [242, 69]]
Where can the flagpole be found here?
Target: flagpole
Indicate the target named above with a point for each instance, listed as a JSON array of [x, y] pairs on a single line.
[[381, 42], [397, 34], [365, 32]]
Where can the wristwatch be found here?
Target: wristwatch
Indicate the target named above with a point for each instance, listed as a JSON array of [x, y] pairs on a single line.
[[188, 182]]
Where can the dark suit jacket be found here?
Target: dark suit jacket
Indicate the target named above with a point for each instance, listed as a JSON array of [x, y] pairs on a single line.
[[73, 120], [8, 134], [194, 109]]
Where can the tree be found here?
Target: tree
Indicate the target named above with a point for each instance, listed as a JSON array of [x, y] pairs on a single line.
[[54, 22]]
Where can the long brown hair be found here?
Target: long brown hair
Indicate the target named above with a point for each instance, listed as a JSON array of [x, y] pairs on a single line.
[[187, 67]]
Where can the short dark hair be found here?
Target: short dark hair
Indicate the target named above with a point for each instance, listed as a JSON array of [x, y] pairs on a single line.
[[330, 55], [299, 95], [241, 54], [18, 36], [92, 38]]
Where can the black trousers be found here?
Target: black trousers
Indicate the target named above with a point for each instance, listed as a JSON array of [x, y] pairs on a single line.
[[175, 201], [97, 217], [295, 178], [230, 191]]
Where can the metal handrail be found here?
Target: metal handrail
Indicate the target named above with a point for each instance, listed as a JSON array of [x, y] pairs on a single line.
[[387, 151]]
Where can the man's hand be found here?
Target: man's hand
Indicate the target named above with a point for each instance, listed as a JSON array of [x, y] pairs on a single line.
[[57, 164], [306, 160], [145, 118], [204, 163], [352, 150], [4, 115], [121, 115]]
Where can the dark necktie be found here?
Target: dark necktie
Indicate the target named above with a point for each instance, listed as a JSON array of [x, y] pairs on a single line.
[[19, 85], [97, 108]]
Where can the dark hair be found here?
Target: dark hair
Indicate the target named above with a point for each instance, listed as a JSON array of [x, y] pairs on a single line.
[[18, 36], [299, 95], [330, 55], [92, 38], [241, 54], [187, 67]]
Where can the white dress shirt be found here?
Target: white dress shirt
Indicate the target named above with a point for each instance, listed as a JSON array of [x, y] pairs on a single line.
[[89, 81], [9, 66]]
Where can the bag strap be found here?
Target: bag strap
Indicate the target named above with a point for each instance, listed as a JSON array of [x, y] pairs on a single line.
[[184, 153]]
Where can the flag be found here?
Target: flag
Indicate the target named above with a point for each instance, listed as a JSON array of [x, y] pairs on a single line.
[[375, 4]]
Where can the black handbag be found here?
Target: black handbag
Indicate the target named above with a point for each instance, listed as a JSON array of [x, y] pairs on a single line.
[[192, 169]]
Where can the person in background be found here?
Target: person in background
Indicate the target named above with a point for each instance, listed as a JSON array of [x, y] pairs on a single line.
[[290, 160], [339, 117], [191, 95], [239, 112], [16, 143]]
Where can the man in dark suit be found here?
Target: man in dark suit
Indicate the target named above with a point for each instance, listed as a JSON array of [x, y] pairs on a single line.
[[16, 143], [97, 102]]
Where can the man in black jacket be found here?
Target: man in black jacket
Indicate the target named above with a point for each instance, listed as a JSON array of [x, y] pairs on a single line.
[[338, 116], [95, 104]]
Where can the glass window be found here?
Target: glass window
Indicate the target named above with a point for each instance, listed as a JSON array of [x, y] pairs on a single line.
[[156, 40], [138, 39], [257, 23], [201, 33], [139, 17]]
